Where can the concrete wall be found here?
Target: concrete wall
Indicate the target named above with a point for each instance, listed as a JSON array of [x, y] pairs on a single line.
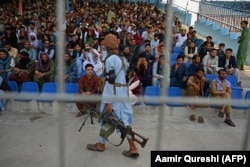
[[191, 7]]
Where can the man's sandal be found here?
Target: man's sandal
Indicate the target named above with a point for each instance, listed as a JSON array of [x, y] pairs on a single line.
[[95, 147], [229, 122], [129, 154], [192, 117], [80, 113], [201, 119], [221, 114]]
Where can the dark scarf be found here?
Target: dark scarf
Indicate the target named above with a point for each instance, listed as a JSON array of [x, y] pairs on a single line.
[[23, 63], [5, 63], [44, 66], [191, 50]]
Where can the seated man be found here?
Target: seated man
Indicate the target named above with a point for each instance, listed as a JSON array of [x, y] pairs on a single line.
[[220, 51], [178, 73], [7, 63], [45, 70], [70, 75], [48, 49], [77, 56], [203, 51], [180, 37], [190, 51], [144, 72], [195, 88], [196, 63], [221, 88], [11, 50], [127, 54], [23, 70], [211, 62], [148, 54], [88, 85], [32, 51], [158, 72], [208, 40], [228, 62], [92, 56]]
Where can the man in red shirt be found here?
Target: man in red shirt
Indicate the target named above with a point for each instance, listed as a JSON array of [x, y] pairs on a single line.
[[88, 85]]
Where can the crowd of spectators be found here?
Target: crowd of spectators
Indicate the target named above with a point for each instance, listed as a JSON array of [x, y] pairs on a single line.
[[28, 43]]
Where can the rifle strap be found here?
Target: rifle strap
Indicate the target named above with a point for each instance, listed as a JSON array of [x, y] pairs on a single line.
[[116, 144], [93, 110], [122, 60]]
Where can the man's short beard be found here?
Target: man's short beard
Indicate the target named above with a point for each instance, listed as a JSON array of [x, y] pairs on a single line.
[[199, 77]]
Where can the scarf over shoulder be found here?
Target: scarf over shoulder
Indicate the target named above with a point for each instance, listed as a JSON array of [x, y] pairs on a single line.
[[219, 84]]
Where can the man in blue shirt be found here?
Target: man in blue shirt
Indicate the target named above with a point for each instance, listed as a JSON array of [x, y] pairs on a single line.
[[178, 73], [195, 65]]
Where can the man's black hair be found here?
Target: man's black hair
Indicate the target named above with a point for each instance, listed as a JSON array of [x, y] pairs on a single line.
[[212, 49], [180, 57], [221, 44], [89, 65], [146, 41], [199, 69], [244, 21], [229, 49], [221, 70], [156, 35], [195, 56], [210, 37]]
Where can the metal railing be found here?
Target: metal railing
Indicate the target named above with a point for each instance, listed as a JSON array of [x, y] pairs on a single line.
[[226, 15]]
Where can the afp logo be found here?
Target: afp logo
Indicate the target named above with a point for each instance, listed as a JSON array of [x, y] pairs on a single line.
[[234, 159]]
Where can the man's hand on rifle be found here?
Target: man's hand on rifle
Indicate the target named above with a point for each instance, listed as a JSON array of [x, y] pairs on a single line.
[[108, 108]]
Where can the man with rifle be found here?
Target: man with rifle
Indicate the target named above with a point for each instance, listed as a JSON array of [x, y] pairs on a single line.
[[116, 87]]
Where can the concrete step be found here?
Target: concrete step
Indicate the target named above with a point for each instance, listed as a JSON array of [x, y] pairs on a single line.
[[244, 78], [247, 67]]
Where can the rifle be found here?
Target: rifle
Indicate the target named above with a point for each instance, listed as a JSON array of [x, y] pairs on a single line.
[[118, 124], [84, 121]]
